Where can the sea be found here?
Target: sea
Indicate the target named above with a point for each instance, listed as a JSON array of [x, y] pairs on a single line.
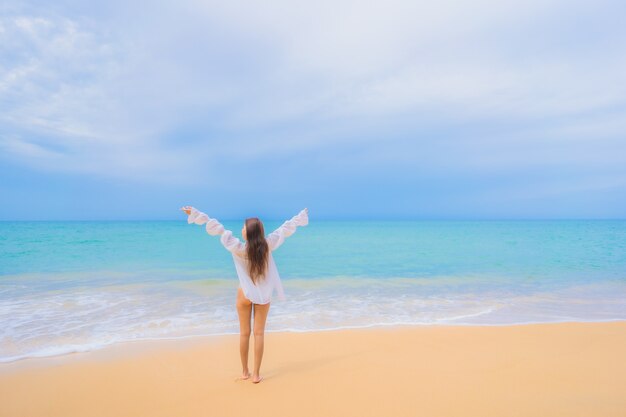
[[77, 286]]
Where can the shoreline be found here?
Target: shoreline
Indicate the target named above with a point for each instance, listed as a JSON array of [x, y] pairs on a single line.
[[571, 368], [193, 337]]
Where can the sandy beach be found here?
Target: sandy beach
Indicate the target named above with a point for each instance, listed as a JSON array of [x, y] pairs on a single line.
[[565, 369]]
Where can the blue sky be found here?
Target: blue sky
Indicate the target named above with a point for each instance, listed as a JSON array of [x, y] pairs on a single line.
[[395, 109]]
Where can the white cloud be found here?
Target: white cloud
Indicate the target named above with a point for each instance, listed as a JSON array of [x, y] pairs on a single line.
[[31, 151], [109, 92], [378, 58], [67, 107]]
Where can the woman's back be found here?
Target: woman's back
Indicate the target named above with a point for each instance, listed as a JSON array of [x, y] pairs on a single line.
[[261, 292]]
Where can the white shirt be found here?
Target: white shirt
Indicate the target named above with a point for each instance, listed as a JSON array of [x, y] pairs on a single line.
[[261, 293]]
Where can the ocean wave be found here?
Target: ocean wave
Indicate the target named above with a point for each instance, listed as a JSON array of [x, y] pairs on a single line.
[[77, 319]]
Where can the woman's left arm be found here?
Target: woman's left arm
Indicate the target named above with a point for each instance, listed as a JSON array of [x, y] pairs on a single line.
[[213, 228], [288, 228]]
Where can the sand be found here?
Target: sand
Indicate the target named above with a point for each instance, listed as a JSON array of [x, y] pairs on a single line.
[[566, 369]]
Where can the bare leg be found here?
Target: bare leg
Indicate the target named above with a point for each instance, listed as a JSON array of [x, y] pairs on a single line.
[[260, 316], [244, 310]]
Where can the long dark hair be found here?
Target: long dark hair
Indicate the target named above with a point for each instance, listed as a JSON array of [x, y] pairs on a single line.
[[256, 249]]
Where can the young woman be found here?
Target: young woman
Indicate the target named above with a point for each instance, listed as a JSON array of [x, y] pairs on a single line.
[[258, 276]]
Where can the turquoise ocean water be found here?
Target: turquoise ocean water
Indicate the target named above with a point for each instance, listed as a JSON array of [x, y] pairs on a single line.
[[77, 286]]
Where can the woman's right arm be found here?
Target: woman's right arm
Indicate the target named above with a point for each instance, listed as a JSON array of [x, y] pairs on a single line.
[[213, 227], [288, 228]]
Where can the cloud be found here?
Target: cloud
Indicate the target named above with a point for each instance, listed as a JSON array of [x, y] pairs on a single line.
[[169, 93], [66, 107]]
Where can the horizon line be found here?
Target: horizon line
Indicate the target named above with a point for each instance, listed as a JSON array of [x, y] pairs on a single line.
[[338, 219]]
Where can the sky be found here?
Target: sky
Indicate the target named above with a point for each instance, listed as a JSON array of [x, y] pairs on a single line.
[[128, 110]]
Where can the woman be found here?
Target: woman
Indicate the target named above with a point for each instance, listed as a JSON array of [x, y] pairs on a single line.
[[258, 276]]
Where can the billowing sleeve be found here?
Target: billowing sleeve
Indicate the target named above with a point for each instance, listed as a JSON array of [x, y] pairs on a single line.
[[288, 228], [213, 227], [232, 243]]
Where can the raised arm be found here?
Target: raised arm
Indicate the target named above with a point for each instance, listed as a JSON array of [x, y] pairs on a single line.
[[214, 228], [288, 228]]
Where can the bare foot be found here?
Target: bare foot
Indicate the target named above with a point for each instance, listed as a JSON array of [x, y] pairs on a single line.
[[242, 377], [257, 380]]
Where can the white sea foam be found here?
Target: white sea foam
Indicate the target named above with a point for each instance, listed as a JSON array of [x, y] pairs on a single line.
[[55, 322]]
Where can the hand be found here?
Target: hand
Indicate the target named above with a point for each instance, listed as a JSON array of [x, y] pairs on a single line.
[[186, 209]]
